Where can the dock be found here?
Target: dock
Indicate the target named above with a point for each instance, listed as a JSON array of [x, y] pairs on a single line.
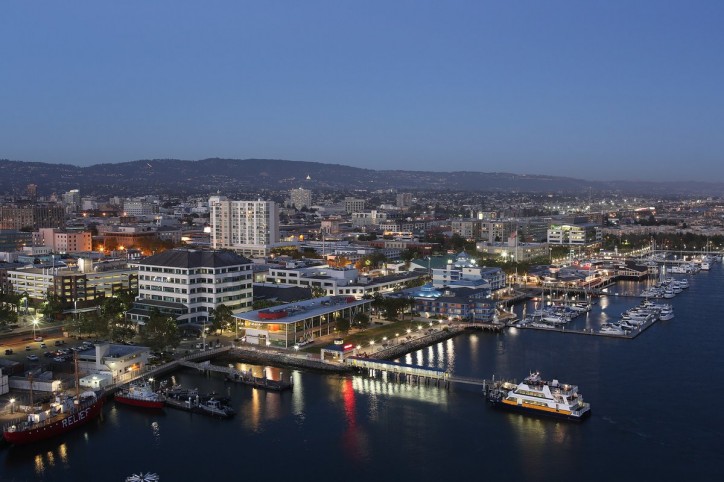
[[167, 367], [237, 376], [406, 373], [399, 371], [626, 336]]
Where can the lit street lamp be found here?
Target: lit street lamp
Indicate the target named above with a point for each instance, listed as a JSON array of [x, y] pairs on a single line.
[[35, 323], [12, 405]]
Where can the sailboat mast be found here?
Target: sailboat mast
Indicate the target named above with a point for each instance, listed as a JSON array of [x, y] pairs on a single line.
[[31, 389], [77, 380]]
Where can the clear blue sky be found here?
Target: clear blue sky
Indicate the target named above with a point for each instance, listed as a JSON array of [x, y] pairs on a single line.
[[591, 89]]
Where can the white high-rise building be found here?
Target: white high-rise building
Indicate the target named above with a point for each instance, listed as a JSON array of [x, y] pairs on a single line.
[[300, 198], [248, 227]]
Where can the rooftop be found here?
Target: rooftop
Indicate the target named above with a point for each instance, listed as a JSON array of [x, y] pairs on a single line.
[[294, 312], [190, 258]]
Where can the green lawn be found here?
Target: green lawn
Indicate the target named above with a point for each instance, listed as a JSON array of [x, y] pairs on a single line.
[[376, 333]]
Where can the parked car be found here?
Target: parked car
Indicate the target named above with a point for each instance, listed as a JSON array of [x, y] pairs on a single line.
[[33, 357], [59, 359], [27, 348], [9, 351], [59, 342], [38, 338], [42, 345]]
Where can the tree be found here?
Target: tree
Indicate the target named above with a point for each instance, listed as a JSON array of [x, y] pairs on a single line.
[[122, 329], [221, 318], [343, 324], [378, 302], [53, 307], [362, 319], [160, 332]]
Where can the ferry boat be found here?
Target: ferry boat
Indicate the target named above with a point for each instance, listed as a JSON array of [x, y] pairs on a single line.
[[536, 396], [63, 415], [140, 395]]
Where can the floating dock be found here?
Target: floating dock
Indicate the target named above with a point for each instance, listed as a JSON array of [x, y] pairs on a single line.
[[246, 378]]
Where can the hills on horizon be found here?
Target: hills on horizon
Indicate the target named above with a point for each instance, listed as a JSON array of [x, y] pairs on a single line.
[[182, 177]]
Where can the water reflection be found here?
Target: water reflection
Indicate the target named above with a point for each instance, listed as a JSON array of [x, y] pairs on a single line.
[[298, 396], [45, 462], [377, 387], [450, 350], [156, 432], [540, 439], [354, 438]]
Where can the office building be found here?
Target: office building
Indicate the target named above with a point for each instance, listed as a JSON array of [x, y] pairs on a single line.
[[26, 216], [353, 205], [189, 284], [63, 242]]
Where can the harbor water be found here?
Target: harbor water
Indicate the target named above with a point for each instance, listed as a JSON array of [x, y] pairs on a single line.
[[655, 404]]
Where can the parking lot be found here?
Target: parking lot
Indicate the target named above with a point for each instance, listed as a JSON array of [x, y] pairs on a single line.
[[39, 350]]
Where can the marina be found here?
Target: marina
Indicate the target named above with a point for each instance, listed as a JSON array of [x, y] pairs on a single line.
[[354, 417]]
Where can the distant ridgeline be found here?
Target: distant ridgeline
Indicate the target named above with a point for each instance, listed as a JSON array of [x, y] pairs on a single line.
[[172, 176]]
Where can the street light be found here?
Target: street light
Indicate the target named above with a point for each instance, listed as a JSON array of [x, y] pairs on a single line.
[[35, 323], [12, 405]]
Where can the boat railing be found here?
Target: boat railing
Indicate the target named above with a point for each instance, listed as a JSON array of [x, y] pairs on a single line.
[[25, 424]]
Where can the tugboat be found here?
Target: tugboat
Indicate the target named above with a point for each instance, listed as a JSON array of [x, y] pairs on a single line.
[[63, 415], [140, 394], [536, 396]]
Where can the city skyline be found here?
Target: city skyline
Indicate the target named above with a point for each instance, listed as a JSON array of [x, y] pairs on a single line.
[[607, 91]]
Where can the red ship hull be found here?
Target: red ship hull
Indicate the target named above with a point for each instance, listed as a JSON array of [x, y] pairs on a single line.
[[45, 431], [136, 402]]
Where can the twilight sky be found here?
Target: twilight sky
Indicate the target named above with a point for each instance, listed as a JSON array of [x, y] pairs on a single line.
[[613, 89]]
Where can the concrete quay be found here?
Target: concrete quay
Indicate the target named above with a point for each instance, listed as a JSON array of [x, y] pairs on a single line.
[[396, 351]]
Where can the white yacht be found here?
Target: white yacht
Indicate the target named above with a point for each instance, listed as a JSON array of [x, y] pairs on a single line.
[[666, 314], [610, 329]]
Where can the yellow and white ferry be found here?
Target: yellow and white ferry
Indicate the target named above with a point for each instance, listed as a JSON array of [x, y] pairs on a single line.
[[537, 396]]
